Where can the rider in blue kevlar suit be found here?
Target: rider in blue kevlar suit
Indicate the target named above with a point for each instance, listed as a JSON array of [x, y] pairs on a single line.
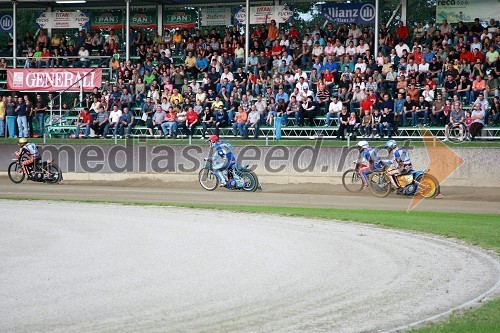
[[224, 159], [373, 162]]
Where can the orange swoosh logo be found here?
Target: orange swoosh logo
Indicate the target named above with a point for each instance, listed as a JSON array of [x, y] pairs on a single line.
[[443, 161]]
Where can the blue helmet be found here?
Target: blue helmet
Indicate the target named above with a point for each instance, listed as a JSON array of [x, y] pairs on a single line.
[[391, 144]]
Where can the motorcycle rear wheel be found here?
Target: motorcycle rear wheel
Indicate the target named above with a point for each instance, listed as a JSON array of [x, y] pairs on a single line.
[[352, 181], [55, 174], [208, 180], [250, 180], [428, 186], [16, 173], [380, 184]]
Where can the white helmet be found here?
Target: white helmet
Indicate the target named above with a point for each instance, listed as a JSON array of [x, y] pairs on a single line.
[[363, 144]]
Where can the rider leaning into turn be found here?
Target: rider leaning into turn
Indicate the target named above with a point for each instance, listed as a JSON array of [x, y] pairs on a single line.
[[223, 159], [369, 155], [400, 162], [28, 151]]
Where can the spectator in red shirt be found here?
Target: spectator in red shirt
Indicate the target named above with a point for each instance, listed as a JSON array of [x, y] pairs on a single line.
[[417, 55], [467, 55], [403, 32], [293, 33], [366, 105], [192, 120], [84, 121]]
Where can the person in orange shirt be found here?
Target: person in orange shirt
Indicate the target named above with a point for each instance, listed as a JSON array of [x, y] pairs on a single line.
[[241, 119], [272, 32], [478, 86]]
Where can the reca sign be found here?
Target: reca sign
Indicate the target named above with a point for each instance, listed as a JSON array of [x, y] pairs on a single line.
[[179, 19]]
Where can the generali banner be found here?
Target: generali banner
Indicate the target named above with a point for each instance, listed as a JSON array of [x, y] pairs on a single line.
[[53, 79]]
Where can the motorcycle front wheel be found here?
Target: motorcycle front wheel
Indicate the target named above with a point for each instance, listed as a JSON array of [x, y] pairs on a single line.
[[16, 173], [380, 184], [54, 175], [208, 180], [250, 181], [352, 180], [428, 186]]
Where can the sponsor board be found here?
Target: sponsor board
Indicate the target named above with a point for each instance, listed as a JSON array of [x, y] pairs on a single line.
[[52, 79]]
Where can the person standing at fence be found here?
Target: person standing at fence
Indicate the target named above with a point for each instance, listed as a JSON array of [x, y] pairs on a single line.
[[2, 116], [30, 112], [10, 110], [40, 110], [22, 117]]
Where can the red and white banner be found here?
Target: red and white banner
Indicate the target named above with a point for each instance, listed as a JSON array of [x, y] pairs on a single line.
[[54, 79]]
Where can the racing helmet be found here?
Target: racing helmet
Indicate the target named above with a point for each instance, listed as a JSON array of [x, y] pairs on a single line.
[[22, 142], [363, 144], [213, 138], [391, 144]]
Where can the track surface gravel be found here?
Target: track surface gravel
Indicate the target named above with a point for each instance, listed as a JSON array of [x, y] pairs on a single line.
[[88, 267]]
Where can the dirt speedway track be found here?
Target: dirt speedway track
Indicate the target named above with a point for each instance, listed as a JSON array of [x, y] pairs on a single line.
[[456, 199], [89, 267]]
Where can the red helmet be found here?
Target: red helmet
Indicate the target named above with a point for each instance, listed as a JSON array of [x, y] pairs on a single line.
[[213, 138]]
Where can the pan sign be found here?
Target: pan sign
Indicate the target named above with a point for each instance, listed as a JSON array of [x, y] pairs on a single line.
[[359, 13]]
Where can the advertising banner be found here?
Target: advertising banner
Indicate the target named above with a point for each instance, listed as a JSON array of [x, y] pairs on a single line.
[[53, 79], [6, 22], [106, 20], [215, 16], [467, 10], [63, 20], [179, 19], [359, 13], [281, 14], [143, 19]]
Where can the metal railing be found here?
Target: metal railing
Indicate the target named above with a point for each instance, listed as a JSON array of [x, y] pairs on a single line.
[[75, 105]]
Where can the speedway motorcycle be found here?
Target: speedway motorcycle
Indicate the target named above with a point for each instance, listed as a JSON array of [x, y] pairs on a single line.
[[238, 177], [40, 171], [414, 183]]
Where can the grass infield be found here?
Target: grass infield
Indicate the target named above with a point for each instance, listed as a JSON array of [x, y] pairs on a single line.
[[478, 229]]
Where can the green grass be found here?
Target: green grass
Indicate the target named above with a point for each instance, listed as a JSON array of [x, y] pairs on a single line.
[[485, 319], [477, 229], [239, 142]]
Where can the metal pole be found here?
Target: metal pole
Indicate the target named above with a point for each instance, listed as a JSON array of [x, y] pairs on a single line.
[[404, 7], [14, 33], [375, 45], [247, 33], [127, 33], [198, 21], [160, 20], [60, 109]]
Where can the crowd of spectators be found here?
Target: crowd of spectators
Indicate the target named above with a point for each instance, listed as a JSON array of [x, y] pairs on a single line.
[[186, 79]]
